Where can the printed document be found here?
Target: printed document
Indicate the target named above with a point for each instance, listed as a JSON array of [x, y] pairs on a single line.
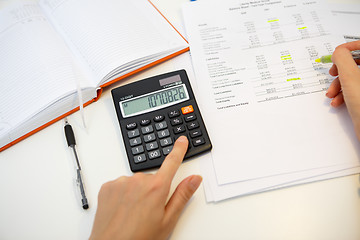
[[266, 109]]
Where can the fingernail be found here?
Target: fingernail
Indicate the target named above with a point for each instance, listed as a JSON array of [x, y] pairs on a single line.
[[332, 103], [182, 139], [195, 181]]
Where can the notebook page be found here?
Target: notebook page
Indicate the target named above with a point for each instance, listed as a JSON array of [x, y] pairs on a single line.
[[112, 33], [36, 66]]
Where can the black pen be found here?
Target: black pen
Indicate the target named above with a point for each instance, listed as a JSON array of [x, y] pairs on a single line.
[[70, 138]]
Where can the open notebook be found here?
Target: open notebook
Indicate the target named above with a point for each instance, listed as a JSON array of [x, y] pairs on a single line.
[[52, 48]]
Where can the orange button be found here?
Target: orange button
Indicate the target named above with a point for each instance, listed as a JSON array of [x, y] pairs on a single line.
[[187, 109]]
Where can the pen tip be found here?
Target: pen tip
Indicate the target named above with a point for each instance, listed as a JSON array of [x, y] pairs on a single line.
[[85, 204], [318, 60]]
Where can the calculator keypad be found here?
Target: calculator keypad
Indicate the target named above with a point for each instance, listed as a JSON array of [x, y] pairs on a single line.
[[153, 113], [153, 138]]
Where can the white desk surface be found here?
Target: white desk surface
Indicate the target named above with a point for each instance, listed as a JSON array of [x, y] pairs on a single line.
[[38, 199]]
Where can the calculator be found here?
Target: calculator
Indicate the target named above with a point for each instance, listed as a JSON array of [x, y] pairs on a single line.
[[153, 113]]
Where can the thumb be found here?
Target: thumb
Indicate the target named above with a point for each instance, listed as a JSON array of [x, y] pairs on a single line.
[[180, 197]]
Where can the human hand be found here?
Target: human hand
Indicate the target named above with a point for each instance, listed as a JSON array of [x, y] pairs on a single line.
[[136, 207], [346, 87]]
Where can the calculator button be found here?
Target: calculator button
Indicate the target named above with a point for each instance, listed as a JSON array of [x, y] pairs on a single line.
[[195, 133], [160, 125], [190, 117], [137, 150], [140, 158], [152, 146], [174, 113], [145, 122], [147, 129], [149, 137], [163, 133], [198, 142], [179, 129], [135, 141], [159, 118], [133, 133], [167, 150], [193, 125], [176, 121], [187, 109], [131, 126], [154, 154], [165, 142]]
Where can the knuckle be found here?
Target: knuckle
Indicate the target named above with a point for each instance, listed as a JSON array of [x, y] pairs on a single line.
[[175, 156], [339, 50], [335, 53], [105, 187], [117, 183], [138, 176], [171, 157], [121, 180], [157, 185], [185, 195]]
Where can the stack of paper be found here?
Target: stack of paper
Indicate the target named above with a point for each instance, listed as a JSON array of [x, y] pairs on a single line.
[[269, 120], [346, 14]]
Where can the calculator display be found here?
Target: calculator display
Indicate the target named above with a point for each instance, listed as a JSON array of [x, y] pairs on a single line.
[[154, 101]]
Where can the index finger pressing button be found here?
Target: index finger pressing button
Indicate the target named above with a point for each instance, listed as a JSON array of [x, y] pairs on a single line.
[[173, 160]]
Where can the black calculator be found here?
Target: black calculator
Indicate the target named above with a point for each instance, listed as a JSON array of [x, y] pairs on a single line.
[[153, 113]]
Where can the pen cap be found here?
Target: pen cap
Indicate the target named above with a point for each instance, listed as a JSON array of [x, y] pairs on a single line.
[[326, 59], [85, 204], [70, 138]]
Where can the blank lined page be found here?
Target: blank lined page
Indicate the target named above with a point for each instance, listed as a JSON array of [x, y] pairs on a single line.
[[108, 34], [35, 66]]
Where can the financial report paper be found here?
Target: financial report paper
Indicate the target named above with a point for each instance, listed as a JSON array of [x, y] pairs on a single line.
[[265, 108]]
